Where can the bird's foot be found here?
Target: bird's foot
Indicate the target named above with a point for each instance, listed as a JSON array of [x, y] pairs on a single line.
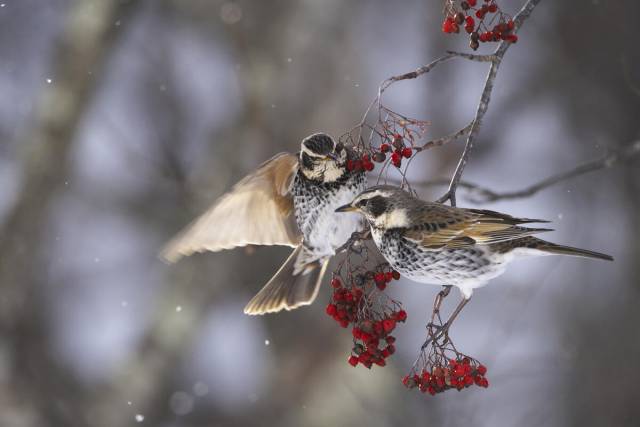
[[354, 240]]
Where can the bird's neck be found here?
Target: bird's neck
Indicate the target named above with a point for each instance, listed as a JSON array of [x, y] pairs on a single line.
[[396, 218]]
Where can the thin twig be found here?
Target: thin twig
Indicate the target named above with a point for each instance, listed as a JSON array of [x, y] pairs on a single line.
[[486, 195], [445, 139]]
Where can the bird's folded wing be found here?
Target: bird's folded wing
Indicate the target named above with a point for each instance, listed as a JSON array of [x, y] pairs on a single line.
[[258, 210], [443, 226]]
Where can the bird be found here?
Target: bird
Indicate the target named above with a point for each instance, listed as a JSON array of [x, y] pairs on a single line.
[[290, 200], [429, 242]]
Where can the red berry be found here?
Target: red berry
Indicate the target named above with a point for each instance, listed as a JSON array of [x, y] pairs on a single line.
[[407, 152], [388, 325], [344, 323], [380, 362], [470, 25], [395, 275], [493, 8], [358, 165], [396, 159], [335, 282], [406, 380], [448, 25], [379, 277], [401, 316], [486, 37], [471, 2], [458, 371], [480, 14], [368, 166], [381, 285], [390, 339], [485, 383], [511, 38], [353, 360], [391, 348], [385, 353], [350, 165], [378, 328], [331, 309], [384, 148], [482, 369], [510, 25]]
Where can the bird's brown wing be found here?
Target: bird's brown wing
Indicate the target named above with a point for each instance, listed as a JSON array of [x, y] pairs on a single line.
[[439, 226], [257, 211]]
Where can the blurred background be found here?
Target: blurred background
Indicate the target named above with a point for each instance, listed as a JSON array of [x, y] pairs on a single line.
[[122, 120]]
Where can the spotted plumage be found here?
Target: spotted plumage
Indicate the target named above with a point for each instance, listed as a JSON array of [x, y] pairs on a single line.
[[444, 245], [289, 200]]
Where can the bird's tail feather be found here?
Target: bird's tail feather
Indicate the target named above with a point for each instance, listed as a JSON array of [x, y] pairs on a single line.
[[287, 290], [568, 250]]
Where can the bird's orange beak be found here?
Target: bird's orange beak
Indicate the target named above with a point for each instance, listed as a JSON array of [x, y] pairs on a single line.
[[347, 208]]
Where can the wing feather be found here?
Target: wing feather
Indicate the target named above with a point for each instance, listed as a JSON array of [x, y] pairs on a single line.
[[257, 211], [445, 226]]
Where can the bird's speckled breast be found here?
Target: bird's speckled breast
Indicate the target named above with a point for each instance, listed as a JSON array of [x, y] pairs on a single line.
[[323, 229], [462, 267]]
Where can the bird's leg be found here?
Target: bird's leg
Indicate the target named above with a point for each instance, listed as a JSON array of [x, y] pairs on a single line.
[[438, 302], [443, 330], [436, 309]]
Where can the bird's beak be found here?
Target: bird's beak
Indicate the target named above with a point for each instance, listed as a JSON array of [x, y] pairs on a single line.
[[346, 208], [332, 156]]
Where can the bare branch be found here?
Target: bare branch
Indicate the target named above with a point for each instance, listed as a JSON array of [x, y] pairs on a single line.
[[484, 194]]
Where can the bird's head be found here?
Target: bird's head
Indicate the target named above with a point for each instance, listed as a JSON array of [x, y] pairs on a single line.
[[384, 206], [321, 158]]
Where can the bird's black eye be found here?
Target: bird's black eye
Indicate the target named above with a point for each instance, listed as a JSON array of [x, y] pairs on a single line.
[[362, 203]]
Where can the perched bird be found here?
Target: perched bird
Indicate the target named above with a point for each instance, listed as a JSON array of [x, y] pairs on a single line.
[[289, 200], [450, 246]]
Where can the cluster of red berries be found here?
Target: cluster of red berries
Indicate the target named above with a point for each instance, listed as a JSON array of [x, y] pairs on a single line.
[[344, 303], [479, 32], [363, 163], [458, 374], [382, 278], [397, 148], [373, 319], [373, 341]]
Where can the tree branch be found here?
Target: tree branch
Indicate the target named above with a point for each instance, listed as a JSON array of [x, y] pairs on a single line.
[[485, 194], [483, 106]]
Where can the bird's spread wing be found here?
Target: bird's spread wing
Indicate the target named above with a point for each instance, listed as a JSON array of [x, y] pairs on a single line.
[[258, 210], [441, 226]]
